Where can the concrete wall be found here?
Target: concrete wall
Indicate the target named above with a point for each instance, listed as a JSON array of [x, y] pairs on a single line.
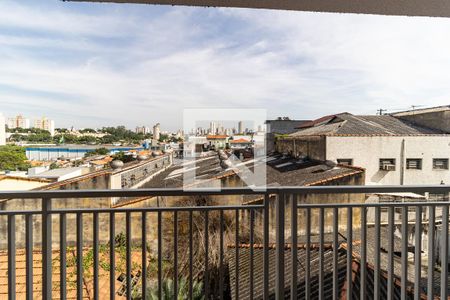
[[367, 151], [313, 147], [19, 184]]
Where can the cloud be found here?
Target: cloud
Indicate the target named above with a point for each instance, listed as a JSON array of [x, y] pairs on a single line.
[[97, 65]]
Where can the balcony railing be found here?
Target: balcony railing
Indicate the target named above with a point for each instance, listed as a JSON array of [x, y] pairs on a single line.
[[276, 247]]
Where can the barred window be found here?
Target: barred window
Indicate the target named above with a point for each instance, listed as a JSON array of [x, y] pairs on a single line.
[[440, 164], [414, 163]]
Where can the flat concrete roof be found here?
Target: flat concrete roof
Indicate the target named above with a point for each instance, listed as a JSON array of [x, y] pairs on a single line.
[[432, 8]]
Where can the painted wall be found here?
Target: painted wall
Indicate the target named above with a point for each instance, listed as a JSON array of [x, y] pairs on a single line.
[[367, 151], [19, 184]]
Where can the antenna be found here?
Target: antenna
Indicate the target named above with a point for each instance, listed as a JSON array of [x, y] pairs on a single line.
[[381, 111]]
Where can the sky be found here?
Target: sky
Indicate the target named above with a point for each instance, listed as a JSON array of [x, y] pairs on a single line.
[[94, 65]]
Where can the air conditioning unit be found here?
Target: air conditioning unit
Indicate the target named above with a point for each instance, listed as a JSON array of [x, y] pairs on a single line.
[[388, 167]]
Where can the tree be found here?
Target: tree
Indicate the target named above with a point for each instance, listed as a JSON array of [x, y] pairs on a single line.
[[13, 158], [98, 151]]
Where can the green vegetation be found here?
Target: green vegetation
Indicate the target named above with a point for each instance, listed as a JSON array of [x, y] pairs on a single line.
[[98, 151], [123, 157], [13, 158]]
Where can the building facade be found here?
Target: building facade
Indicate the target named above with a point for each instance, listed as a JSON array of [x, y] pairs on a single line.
[[391, 150], [2, 130], [18, 122], [156, 132], [45, 124]]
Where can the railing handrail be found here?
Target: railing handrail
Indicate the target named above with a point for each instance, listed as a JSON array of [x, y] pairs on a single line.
[[348, 189]]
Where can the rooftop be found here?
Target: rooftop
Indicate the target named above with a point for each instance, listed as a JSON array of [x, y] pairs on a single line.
[[346, 124]]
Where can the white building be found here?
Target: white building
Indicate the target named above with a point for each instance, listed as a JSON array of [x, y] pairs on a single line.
[[391, 150], [143, 129], [212, 128], [156, 132], [45, 124], [18, 122], [240, 128], [2, 130]]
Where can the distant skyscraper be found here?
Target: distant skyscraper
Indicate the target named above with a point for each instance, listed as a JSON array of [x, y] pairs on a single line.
[[156, 132], [45, 124], [18, 122], [2, 130], [240, 128], [212, 128], [142, 129]]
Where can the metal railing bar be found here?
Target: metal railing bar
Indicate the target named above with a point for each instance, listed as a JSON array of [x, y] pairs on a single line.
[[46, 248], [160, 255], [191, 254], [321, 251], [418, 253], [377, 228], [294, 250], [112, 258], [335, 253], [221, 254], [206, 277], [252, 241], [308, 254], [390, 283], [144, 255], [404, 257], [349, 252], [363, 266], [431, 256], [63, 256], [444, 254], [29, 256], [236, 254], [224, 191], [128, 254], [79, 256], [266, 248], [95, 249], [11, 257], [279, 240], [175, 253], [377, 294]]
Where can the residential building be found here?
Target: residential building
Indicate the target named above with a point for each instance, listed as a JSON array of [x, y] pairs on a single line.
[[18, 122], [142, 129], [156, 132], [2, 130], [392, 150], [240, 128], [212, 128], [45, 124], [240, 143], [218, 141]]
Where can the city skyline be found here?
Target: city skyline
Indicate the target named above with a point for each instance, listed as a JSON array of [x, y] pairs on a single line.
[[154, 61]]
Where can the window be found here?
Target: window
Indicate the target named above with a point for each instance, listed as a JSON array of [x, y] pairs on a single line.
[[414, 163], [387, 164], [440, 164], [345, 161]]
